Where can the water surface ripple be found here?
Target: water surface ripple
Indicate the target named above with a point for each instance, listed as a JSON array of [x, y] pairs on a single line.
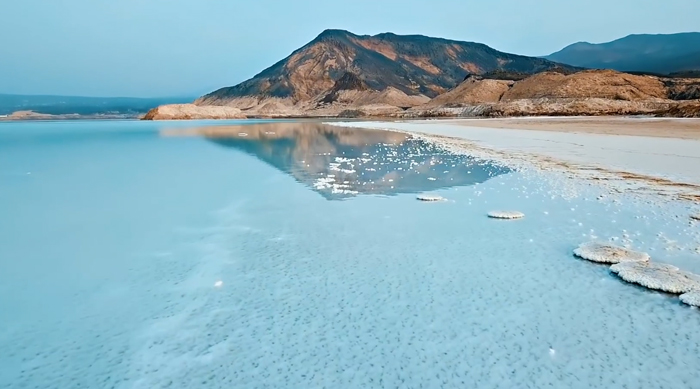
[[188, 255]]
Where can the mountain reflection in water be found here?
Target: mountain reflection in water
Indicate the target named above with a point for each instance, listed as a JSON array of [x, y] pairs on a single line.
[[342, 162]]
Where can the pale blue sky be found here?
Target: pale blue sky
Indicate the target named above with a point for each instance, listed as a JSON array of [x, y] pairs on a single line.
[[189, 47]]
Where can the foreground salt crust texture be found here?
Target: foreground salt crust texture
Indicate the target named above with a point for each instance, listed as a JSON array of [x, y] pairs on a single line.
[[691, 298], [609, 253], [505, 215], [624, 163], [372, 291], [657, 276], [430, 198]]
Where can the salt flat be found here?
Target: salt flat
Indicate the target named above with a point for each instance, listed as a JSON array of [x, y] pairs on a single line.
[[297, 256], [668, 161], [686, 128]]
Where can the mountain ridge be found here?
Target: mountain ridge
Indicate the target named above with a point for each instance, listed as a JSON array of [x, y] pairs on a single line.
[[653, 53], [341, 74], [412, 64]]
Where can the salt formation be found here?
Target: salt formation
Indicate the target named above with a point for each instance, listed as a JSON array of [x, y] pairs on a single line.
[[695, 216], [218, 284], [506, 215], [657, 276], [430, 198], [691, 298], [609, 253]]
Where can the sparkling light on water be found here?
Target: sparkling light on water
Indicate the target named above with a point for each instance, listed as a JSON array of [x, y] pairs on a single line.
[[132, 260]]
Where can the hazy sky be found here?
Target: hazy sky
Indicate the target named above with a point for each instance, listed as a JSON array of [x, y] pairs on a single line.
[[189, 47]]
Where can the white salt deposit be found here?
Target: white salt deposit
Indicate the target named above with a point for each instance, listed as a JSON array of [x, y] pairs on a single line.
[[506, 215], [636, 154], [430, 198], [372, 291], [657, 276], [608, 253], [691, 298], [218, 284]]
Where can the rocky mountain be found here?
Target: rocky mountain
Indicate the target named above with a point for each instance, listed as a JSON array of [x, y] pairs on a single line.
[[191, 111], [590, 92], [407, 66], [662, 54], [340, 74]]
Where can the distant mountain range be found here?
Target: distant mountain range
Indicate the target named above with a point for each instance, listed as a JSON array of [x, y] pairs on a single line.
[[68, 105], [407, 66], [341, 74], [661, 54]]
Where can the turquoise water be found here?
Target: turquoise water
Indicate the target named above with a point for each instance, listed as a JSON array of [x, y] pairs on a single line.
[[114, 237]]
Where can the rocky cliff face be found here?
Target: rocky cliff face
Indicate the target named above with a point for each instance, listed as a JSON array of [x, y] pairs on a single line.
[[412, 65], [604, 84], [191, 111], [590, 92]]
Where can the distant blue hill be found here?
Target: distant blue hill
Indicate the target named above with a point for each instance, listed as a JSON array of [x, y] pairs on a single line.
[[661, 53], [61, 105]]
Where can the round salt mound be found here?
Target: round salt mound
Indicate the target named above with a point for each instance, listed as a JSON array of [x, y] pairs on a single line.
[[506, 215], [608, 253], [657, 276], [430, 198], [691, 298]]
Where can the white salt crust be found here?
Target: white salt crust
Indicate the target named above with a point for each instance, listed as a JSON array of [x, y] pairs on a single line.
[[657, 276], [609, 253], [423, 307], [430, 198], [506, 215], [691, 298]]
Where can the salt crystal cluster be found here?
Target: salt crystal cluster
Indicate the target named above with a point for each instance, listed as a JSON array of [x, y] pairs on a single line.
[[430, 198], [657, 276], [609, 253], [691, 298], [506, 215]]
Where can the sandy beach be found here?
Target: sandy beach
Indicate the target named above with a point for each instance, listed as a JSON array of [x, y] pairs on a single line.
[[649, 127], [664, 159]]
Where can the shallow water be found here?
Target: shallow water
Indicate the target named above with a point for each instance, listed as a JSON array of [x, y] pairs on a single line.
[[113, 235]]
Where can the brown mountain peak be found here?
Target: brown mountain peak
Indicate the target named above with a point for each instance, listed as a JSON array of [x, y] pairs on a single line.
[[333, 34], [415, 65]]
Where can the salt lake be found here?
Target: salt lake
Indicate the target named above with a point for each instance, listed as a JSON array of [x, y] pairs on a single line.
[[260, 254]]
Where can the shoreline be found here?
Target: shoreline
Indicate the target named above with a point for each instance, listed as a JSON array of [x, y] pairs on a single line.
[[664, 165], [647, 126], [584, 123]]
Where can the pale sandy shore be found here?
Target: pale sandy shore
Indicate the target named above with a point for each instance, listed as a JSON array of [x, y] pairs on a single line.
[[649, 127], [597, 148]]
